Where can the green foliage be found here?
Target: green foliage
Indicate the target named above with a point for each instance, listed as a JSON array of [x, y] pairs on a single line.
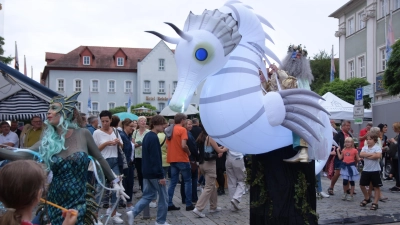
[[345, 89], [321, 69], [258, 182], [150, 112], [300, 189], [6, 60], [118, 109], [391, 78]]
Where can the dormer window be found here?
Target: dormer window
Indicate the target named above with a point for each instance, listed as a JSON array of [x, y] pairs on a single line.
[[86, 60], [120, 61]]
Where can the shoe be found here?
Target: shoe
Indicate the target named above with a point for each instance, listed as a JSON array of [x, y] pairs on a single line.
[[129, 208], [117, 219], [189, 208], [218, 209], [130, 217], [153, 205], [388, 178], [325, 195], [109, 211], [330, 191], [235, 203], [121, 205], [301, 156], [344, 196], [173, 208], [198, 213], [348, 192], [349, 198], [324, 174], [233, 209], [394, 189], [106, 206], [162, 223]]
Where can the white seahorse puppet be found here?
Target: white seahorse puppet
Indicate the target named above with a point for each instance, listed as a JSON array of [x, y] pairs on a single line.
[[227, 47]]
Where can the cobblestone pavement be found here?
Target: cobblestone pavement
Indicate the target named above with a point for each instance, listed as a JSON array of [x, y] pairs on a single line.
[[333, 208]]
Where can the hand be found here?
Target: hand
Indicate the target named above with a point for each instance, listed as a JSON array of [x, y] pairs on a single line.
[[391, 140], [70, 219], [118, 187], [220, 155], [273, 67], [110, 143], [162, 182]]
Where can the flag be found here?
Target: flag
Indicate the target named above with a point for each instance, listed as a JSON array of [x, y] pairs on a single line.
[[25, 66], [128, 108], [389, 39], [89, 102], [332, 67], [16, 62]]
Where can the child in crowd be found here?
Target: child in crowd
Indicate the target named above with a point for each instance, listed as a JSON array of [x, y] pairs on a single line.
[[22, 184], [371, 172], [348, 170]]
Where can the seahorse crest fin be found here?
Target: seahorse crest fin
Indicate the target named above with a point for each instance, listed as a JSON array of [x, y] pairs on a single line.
[[222, 25]]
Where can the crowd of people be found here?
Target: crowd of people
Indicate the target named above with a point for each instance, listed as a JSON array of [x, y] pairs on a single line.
[[373, 160]]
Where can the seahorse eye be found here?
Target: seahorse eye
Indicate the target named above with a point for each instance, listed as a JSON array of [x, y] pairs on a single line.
[[201, 54]]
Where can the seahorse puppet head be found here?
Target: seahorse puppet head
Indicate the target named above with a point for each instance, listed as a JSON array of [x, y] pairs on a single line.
[[202, 50]]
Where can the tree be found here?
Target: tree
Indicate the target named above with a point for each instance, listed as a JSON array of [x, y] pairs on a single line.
[[118, 109], [321, 69], [345, 89], [391, 77], [6, 60]]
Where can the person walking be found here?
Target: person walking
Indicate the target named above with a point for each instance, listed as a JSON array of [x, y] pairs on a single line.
[[137, 138], [236, 174], [154, 181]]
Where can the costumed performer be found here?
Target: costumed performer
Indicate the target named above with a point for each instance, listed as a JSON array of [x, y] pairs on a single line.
[[65, 150]]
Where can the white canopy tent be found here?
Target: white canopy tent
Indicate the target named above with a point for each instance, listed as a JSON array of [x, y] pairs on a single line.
[[340, 109], [168, 112]]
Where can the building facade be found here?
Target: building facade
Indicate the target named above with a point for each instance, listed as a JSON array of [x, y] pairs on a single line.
[[362, 40], [110, 76]]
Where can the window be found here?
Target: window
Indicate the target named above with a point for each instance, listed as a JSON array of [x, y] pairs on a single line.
[[86, 60], [95, 106], [161, 87], [350, 26], [146, 86], [111, 86], [161, 64], [174, 84], [120, 61], [78, 106], [361, 66], [383, 8], [111, 105], [350, 69], [95, 85], [161, 106], [396, 4], [382, 59], [361, 23], [128, 86], [60, 84], [78, 85]]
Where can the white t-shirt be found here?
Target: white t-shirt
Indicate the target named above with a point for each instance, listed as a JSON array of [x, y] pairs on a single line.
[[235, 154], [10, 137], [109, 151], [371, 165]]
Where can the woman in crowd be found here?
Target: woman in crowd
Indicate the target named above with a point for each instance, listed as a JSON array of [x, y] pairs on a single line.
[[64, 149], [107, 139], [21, 187], [208, 169], [137, 139], [127, 126], [393, 145]]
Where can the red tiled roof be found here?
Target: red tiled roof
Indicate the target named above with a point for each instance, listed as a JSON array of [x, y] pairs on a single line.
[[53, 56], [103, 59]]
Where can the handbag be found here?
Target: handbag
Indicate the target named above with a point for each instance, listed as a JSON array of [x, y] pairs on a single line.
[[121, 155], [209, 153]]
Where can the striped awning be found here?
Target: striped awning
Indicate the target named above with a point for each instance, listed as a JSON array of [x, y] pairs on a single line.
[[22, 106]]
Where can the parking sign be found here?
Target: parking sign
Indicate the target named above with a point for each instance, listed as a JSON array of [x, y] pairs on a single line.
[[359, 94]]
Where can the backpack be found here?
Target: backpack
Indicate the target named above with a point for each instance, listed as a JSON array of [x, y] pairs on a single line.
[[168, 131]]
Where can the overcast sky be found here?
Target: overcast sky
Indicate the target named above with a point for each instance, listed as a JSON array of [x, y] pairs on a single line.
[[62, 25]]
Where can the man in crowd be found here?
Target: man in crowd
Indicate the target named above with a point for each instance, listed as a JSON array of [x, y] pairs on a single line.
[[93, 123], [7, 137], [178, 158], [14, 128], [339, 138], [363, 135], [235, 172], [34, 133], [196, 129]]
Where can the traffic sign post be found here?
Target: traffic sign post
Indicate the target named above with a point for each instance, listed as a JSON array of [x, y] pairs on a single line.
[[358, 120], [358, 110]]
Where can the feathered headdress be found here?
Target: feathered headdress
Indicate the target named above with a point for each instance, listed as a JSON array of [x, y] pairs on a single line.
[[68, 104]]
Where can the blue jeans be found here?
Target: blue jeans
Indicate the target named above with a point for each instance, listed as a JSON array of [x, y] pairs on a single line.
[[150, 189], [319, 185], [194, 188], [184, 169], [113, 163]]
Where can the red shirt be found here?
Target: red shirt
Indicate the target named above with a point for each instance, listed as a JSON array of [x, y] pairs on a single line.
[[361, 142], [349, 155]]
